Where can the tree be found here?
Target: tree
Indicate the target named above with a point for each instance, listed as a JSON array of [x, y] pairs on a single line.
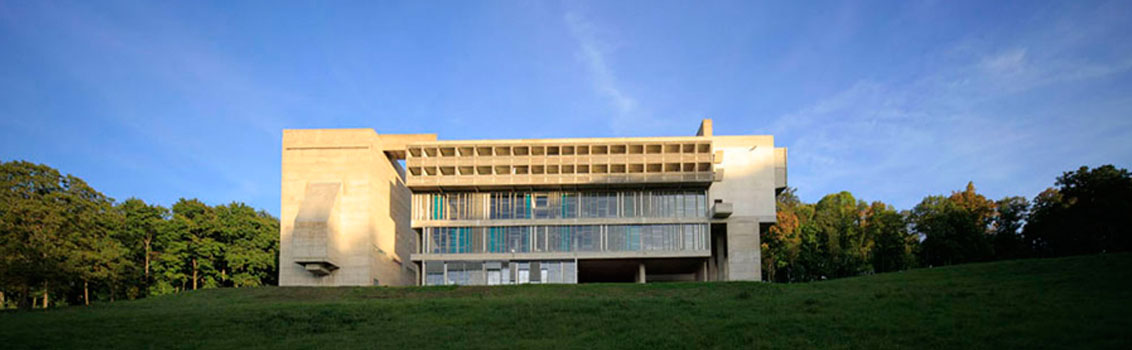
[[1008, 241], [837, 237], [62, 242], [168, 263], [981, 209], [101, 261], [196, 224], [141, 225], [838, 218], [781, 242], [49, 225], [951, 234], [251, 241], [1087, 213], [893, 245]]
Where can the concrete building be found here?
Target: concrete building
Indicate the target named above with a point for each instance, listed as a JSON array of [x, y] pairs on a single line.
[[523, 211]]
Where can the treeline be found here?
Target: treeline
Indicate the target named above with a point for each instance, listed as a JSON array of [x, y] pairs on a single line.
[[64, 243], [1087, 211]]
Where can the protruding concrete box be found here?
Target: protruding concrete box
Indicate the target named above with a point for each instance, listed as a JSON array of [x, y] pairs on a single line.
[[315, 233], [345, 209], [721, 210]]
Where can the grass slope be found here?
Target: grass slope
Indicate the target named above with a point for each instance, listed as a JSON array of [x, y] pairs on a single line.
[[1077, 302]]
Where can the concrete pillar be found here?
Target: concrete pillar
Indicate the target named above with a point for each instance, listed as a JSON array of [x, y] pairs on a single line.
[[704, 271], [744, 261], [641, 273]]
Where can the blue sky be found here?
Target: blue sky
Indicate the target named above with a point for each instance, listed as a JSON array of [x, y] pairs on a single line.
[[889, 100]]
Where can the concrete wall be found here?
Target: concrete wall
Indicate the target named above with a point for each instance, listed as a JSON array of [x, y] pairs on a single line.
[[748, 183], [369, 235]]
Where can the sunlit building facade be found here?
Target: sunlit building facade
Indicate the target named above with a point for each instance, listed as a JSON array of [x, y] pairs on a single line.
[[496, 212]]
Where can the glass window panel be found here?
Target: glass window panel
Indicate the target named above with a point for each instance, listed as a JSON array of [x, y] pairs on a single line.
[[553, 204], [569, 206], [588, 238], [540, 207]]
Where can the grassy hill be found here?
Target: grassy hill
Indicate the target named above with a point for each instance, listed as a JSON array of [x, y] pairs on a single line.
[[1077, 302]]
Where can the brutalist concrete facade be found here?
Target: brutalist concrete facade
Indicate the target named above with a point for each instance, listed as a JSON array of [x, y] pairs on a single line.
[[524, 211]]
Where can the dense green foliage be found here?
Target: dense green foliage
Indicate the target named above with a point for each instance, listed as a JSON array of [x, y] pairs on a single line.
[[62, 242], [1077, 302], [1090, 211], [840, 236]]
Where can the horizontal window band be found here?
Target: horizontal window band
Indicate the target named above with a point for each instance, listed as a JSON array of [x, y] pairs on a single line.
[[561, 222]]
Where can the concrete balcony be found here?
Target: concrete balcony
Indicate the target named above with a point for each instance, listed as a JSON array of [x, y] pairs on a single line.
[[317, 267], [721, 210]]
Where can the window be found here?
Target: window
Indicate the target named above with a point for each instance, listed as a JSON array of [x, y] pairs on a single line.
[[434, 273], [554, 205], [524, 273], [569, 205], [541, 207]]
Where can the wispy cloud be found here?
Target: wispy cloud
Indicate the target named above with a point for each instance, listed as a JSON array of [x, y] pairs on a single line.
[[967, 120], [1016, 70], [594, 52]]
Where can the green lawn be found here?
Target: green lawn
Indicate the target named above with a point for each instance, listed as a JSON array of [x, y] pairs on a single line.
[[1077, 302]]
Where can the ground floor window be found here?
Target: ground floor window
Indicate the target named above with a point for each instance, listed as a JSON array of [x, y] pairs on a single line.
[[499, 272]]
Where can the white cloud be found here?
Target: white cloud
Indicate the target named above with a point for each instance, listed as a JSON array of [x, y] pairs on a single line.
[[593, 52], [1008, 62], [900, 140]]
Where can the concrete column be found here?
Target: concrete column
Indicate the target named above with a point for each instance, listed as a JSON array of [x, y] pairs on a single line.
[[704, 271], [576, 271], [744, 261], [641, 273]]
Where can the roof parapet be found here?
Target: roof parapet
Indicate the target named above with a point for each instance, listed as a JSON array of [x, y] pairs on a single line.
[[705, 128]]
